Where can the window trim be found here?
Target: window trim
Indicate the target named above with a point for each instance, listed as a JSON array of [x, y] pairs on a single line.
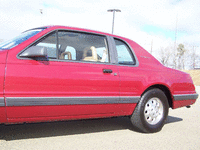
[[23, 58], [57, 40], [89, 33], [36, 29], [131, 51], [38, 41]]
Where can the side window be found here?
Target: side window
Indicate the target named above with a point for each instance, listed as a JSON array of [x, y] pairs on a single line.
[[82, 47], [50, 43], [124, 53]]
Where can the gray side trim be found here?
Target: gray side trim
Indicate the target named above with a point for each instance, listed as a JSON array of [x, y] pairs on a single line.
[[185, 97], [2, 103], [37, 101], [130, 99]]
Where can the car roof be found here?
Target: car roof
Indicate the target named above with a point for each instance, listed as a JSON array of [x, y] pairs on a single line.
[[53, 27], [142, 55]]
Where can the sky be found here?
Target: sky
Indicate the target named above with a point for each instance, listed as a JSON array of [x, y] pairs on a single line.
[[151, 23]]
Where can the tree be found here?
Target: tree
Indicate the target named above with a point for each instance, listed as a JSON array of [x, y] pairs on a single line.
[[194, 58], [184, 56], [180, 53], [164, 55]]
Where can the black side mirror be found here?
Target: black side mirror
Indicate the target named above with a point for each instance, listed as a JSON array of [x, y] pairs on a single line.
[[34, 52]]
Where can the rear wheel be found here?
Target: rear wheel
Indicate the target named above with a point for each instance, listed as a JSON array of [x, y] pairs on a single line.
[[151, 112]]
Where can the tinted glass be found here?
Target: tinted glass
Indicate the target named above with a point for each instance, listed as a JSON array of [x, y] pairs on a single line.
[[82, 47], [125, 55], [50, 42]]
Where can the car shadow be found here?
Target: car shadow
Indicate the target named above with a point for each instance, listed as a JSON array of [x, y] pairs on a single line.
[[171, 119], [65, 128]]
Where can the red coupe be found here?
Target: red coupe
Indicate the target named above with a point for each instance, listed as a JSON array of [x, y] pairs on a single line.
[[63, 73]]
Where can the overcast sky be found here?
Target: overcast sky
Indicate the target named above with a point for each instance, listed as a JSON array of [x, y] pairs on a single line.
[[148, 22]]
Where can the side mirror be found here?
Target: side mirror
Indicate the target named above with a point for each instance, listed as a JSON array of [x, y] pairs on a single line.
[[35, 51]]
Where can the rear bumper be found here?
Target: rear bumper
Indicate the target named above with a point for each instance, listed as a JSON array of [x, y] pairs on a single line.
[[185, 97], [184, 100]]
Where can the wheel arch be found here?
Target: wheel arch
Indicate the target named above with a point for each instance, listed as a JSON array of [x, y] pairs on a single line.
[[165, 89]]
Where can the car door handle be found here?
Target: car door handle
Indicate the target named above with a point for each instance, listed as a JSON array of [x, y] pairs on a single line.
[[107, 71]]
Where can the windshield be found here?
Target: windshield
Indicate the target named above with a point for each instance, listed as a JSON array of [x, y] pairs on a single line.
[[19, 39]]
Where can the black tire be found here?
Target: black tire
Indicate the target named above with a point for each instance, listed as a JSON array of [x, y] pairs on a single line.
[[151, 112]]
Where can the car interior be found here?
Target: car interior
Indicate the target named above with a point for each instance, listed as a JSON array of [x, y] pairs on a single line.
[[76, 46]]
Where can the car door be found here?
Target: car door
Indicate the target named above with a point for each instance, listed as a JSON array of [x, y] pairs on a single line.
[[77, 80], [131, 76]]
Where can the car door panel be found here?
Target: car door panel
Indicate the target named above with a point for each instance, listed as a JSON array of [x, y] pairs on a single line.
[[59, 83]]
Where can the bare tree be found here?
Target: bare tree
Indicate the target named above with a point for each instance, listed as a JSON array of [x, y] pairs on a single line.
[[164, 56], [184, 57], [180, 53], [190, 56], [174, 60], [194, 58]]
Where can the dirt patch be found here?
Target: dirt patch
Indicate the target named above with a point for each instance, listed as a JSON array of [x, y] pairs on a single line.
[[195, 74]]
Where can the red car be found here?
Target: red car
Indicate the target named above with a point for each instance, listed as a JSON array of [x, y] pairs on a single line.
[[62, 73]]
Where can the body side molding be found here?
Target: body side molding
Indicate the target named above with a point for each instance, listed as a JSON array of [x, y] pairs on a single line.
[[2, 103], [185, 97], [37, 101]]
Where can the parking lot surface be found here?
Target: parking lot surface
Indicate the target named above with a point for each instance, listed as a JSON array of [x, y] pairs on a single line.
[[181, 131]]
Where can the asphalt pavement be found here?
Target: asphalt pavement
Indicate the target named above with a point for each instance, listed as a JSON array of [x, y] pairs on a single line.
[[181, 132]]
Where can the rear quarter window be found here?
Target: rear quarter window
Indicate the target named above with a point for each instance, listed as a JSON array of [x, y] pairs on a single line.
[[124, 53]]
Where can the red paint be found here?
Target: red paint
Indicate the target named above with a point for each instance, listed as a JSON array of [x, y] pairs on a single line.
[[183, 103], [42, 113], [31, 78], [60, 79], [3, 118]]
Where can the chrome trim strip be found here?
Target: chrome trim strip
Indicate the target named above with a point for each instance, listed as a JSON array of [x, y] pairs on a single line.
[[2, 103], [185, 97], [38, 101]]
